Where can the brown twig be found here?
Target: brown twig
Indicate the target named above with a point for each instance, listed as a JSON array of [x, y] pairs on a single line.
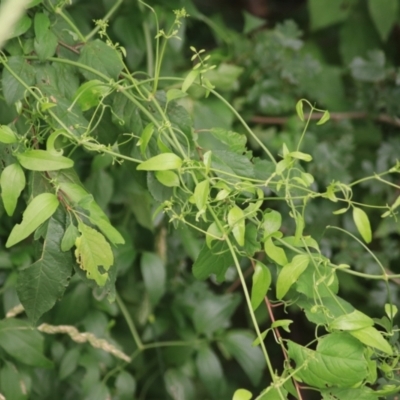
[[339, 116], [71, 48]]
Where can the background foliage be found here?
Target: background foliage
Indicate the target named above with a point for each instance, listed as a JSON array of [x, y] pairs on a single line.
[[128, 312]]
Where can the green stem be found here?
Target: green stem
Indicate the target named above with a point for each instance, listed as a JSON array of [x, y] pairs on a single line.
[[130, 323], [60, 12], [109, 14]]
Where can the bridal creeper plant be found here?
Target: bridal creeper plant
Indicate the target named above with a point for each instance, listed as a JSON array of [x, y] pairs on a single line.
[[74, 99]]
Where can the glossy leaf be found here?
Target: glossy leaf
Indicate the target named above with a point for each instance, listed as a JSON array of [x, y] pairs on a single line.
[[161, 162], [168, 178], [242, 394], [338, 361], [236, 222], [41, 160], [261, 283], [44, 282], [275, 253], [7, 135], [92, 252], [372, 337], [362, 223], [40, 209], [290, 273], [25, 344], [154, 276], [12, 182]]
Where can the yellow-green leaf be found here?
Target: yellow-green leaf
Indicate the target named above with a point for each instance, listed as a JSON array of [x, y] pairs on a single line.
[[7, 135], [373, 338], [168, 178], [275, 253], [299, 110], [236, 222], [41, 208], [201, 194], [325, 117], [362, 223], [161, 162], [92, 252], [261, 284], [41, 160], [12, 183]]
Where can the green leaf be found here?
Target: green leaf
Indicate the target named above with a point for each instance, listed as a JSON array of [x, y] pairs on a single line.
[[273, 393], [102, 58], [161, 162], [272, 221], [282, 323], [384, 15], [7, 135], [391, 310], [261, 284], [125, 385], [168, 178], [210, 371], [361, 393], [12, 182], [174, 94], [373, 338], [236, 222], [238, 343], [362, 223], [324, 13], [11, 383], [40, 209], [45, 46], [242, 394], [44, 282], [145, 138], [13, 90], [178, 385], [42, 160], [154, 276], [325, 117], [275, 253], [200, 194], [213, 261], [300, 156], [290, 273], [350, 322], [370, 70], [23, 24], [90, 93], [92, 252], [299, 110], [190, 78], [213, 233], [235, 142], [338, 361], [70, 235], [22, 342]]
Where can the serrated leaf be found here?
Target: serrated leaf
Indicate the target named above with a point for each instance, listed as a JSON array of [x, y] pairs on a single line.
[[7, 135], [338, 361], [384, 15], [362, 223], [325, 117], [102, 58], [13, 90], [353, 321], [299, 110], [373, 338], [154, 276], [168, 178], [92, 252], [161, 162], [25, 344], [42, 160], [40, 209], [12, 183], [290, 273], [44, 282], [190, 78], [242, 394], [90, 93], [261, 284], [275, 253], [236, 222]]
